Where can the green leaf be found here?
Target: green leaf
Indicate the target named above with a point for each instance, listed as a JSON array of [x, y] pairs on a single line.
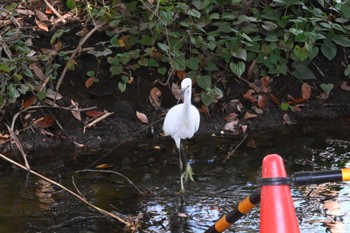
[[207, 98], [203, 81], [162, 70], [302, 72], [341, 40], [327, 87], [91, 73], [313, 53], [194, 13], [41, 95], [179, 63], [345, 10], [13, 93], [240, 53], [4, 68], [300, 53], [193, 63], [122, 86], [116, 69], [237, 68], [347, 71], [163, 47], [328, 49], [284, 106]]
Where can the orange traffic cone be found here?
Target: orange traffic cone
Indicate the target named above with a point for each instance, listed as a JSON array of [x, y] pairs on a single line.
[[277, 213]]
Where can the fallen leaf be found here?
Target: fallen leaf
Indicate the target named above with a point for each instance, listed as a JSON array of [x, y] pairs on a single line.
[[41, 25], [156, 147], [176, 90], [44, 122], [142, 117], [151, 1], [76, 114], [345, 86], [30, 101], [262, 99], [251, 143], [58, 46], [323, 96], [37, 71], [265, 84], [122, 40], [230, 117], [244, 128], [41, 15], [94, 113], [104, 165], [251, 69], [249, 115], [25, 12], [250, 95], [258, 110], [204, 109], [182, 215], [181, 74], [51, 94], [306, 91], [154, 97], [287, 119], [48, 11], [231, 126], [89, 82]]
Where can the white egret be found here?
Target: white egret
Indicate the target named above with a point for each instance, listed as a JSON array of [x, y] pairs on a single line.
[[181, 122]]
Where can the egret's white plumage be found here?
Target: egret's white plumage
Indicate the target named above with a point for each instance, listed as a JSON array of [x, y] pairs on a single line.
[[181, 122]]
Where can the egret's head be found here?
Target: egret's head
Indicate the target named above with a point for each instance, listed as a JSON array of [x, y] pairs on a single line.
[[186, 84]]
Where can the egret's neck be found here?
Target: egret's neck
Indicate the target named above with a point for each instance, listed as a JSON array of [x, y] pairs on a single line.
[[187, 99]]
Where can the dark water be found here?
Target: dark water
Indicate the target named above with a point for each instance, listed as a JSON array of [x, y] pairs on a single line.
[[29, 204]]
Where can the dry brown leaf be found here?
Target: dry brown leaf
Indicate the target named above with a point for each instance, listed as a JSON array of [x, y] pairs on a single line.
[[156, 147], [42, 25], [182, 215], [37, 71], [29, 102], [323, 96], [249, 115], [44, 122], [262, 99], [58, 46], [230, 117], [231, 126], [89, 82], [306, 91], [154, 97], [345, 86], [41, 15], [142, 117], [94, 113], [251, 143], [50, 52], [181, 74], [287, 119], [76, 114], [104, 165], [25, 12], [204, 109], [52, 94], [48, 11], [250, 69], [265, 84], [250, 95], [176, 90]]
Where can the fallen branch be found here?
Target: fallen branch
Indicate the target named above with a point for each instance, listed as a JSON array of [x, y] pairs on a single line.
[[55, 12], [234, 150], [130, 226]]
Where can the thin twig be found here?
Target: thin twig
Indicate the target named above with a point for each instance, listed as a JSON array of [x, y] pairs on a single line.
[[19, 146], [80, 45], [233, 151], [55, 12], [127, 223], [117, 173]]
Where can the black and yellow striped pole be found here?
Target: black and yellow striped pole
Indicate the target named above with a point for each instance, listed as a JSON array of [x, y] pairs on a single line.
[[243, 208], [319, 177], [298, 178]]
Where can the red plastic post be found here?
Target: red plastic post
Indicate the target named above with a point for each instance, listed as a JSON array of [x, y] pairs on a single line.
[[277, 213]]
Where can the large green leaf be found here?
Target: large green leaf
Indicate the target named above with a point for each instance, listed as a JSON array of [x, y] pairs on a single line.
[[341, 40], [301, 52], [203, 81], [193, 63], [301, 71], [237, 68], [328, 49]]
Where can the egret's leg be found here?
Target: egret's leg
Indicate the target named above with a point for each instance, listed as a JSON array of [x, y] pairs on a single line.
[[182, 190], [188, 174]]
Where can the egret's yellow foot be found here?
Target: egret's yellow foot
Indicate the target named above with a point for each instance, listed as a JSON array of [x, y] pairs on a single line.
[[188, 174]]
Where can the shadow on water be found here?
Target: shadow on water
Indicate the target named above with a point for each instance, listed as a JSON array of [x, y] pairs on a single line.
[[33, 205]]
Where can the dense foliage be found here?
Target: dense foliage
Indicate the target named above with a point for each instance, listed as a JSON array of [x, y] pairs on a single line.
[[211, 40]]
